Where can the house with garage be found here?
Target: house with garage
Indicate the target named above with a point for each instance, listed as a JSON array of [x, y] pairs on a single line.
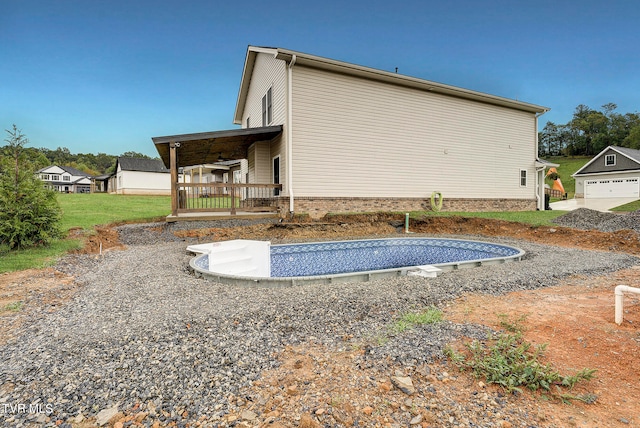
[[140, 176], [65, 179], [331, 136], [612, 173]]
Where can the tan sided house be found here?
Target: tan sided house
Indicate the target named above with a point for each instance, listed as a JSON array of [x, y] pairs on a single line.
[[341, 137]]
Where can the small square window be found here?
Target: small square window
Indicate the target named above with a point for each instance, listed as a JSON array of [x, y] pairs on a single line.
[[523, 178], [610, 160]]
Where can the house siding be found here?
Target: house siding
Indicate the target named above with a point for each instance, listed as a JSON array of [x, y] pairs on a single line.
[[141, 183], [268, 73], [623, 163], [358, 138], [259, 163]]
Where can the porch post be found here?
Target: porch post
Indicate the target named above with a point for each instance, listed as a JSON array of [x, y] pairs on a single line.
[[174, 177], [233, 197]]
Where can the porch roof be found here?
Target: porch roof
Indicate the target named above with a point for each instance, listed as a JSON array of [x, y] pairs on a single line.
[[212, 147]]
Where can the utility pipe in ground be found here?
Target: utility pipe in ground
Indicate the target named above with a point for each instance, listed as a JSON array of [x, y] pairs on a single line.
[[619, 296]]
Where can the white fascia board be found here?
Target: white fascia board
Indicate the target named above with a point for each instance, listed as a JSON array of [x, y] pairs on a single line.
[[247, 72]]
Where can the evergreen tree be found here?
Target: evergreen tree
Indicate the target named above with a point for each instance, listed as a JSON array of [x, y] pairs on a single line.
[[29, 212]]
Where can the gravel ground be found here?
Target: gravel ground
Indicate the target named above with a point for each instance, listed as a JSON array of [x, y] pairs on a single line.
[[144, 330], [586, 219]]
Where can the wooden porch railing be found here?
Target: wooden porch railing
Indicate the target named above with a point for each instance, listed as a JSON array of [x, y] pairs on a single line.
[[232, 197]]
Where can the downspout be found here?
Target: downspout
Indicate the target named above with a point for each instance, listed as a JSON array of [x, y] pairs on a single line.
[[290, 133]]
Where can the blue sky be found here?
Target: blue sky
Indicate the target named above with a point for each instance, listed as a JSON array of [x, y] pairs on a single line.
[[106, 76]]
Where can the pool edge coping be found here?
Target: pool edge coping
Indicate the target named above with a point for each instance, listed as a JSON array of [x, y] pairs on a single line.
[[360, 276]]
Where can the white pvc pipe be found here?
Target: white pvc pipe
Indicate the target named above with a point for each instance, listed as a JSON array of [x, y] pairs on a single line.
[[619, 296]]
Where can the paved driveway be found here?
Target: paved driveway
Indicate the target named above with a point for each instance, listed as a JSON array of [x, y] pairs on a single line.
[[598, 204]]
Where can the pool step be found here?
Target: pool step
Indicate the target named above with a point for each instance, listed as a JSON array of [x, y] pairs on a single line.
[[241, 257]]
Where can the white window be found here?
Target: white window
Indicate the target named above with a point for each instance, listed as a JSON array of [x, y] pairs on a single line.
[[66, 178], [523, 178], [55, 177], [44, 176], [267, 109], [610, 160]]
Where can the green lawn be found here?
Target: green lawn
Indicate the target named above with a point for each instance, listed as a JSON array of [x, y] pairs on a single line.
[[631, 206], [86, 211]]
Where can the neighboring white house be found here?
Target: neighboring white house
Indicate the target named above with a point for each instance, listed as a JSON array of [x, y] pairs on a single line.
[[137, 176], [612, 173], [220, 172], [342, 137], [65, 179]]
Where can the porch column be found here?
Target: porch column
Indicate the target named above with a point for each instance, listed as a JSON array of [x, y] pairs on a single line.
[[173, 166]]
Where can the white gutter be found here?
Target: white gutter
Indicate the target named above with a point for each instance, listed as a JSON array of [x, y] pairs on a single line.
[[290, 132], [619, 297]]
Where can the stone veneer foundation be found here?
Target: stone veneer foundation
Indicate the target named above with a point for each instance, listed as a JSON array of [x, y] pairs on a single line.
[[317, 207]]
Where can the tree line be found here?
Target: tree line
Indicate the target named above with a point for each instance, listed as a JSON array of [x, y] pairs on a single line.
[[589, 131], [90, 163]]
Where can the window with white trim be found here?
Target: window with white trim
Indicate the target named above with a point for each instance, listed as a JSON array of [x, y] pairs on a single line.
[[267, 108], [610, 160], [44, 176], [55, 177], [66, 178], [523, 178]]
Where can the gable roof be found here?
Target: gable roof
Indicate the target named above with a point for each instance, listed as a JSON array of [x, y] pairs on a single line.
[[67, 169], [141, 164], [632, 154], [294, 57], [75, 172]]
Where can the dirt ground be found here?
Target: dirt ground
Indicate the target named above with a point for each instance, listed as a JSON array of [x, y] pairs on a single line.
[[575, 317]]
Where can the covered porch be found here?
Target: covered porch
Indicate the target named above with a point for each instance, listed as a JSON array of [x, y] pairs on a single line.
[[207, 200]]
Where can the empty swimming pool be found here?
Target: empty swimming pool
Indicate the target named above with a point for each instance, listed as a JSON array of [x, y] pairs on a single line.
[[252, 262]]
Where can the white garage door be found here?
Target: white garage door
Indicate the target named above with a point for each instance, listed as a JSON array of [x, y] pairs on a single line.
[[610, 188]]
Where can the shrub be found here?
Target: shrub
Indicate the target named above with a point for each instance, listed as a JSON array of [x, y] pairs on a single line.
[[506, 359], [29, 212]]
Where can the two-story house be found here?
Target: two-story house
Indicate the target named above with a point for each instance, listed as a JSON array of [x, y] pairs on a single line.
[[342, 137], [65, 179]]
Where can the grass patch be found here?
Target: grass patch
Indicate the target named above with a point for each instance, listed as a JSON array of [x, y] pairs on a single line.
[[86, 211], [38, 257], [89, 210], [631, 206], [411, 320], [12, 307], [509, 361]]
